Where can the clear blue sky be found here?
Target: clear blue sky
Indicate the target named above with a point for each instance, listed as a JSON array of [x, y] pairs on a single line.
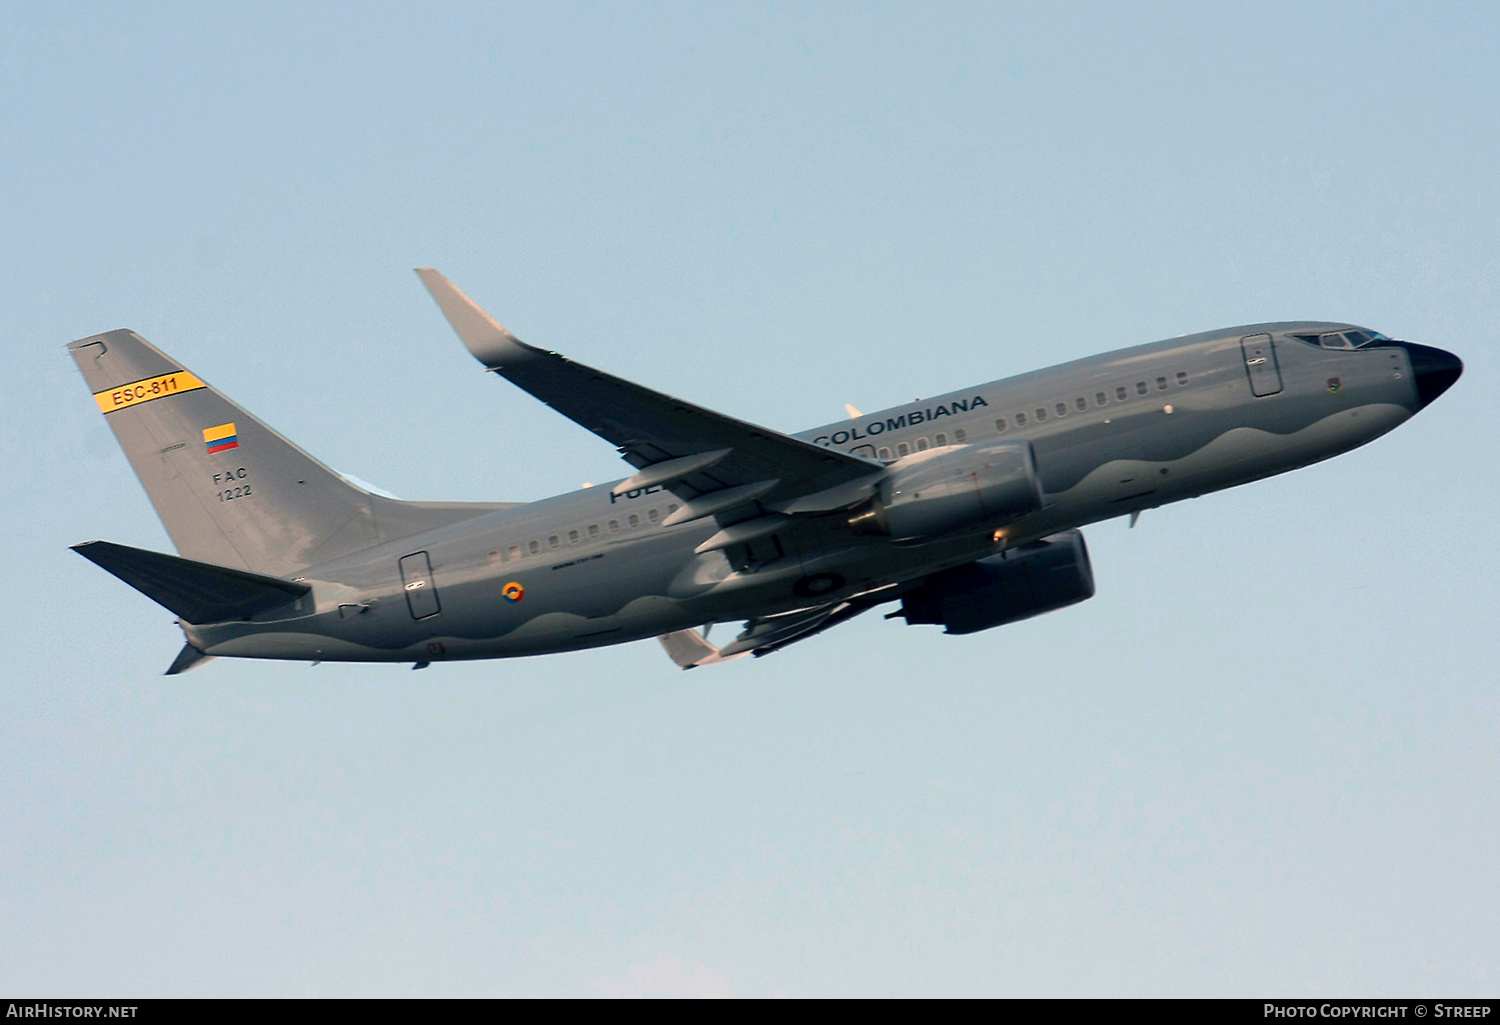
[[1265, 759]]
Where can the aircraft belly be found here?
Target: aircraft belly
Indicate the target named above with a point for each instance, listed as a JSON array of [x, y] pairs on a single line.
[[543, 634], [854, 569], [297, 645]]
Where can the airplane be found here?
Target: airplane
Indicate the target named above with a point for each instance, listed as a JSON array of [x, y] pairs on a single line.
[[965, 508]]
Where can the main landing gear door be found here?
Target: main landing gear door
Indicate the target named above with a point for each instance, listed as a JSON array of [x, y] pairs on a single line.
[[1260, 363], [416, 577]]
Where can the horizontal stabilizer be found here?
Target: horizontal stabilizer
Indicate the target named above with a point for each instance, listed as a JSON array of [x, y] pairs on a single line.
[[197, 591], [188, 658]]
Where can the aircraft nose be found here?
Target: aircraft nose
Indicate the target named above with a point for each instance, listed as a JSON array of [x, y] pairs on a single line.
[[1435, 370]]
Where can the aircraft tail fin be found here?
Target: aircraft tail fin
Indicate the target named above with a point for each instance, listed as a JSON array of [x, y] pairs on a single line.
[[228, 488], [197, 591]]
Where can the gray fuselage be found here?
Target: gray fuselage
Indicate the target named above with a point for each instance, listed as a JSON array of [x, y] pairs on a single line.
[[1112, 434]]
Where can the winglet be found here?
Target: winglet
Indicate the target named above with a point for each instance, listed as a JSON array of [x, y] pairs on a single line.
[[690, 649], [489, 342]]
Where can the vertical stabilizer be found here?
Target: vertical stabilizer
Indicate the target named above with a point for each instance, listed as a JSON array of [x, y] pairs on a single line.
[[230, 490]]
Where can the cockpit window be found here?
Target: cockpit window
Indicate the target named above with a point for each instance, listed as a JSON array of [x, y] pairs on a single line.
[[1353, 339]]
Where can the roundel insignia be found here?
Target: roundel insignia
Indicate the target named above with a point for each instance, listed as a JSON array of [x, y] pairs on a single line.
[[513, 591], [818, 583]]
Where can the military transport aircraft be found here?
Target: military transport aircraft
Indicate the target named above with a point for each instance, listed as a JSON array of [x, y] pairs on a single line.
[[963, 508]]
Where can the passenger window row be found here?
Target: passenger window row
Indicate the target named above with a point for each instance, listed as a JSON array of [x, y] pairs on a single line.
[[575, 535], [939, 440], [1081, 403]]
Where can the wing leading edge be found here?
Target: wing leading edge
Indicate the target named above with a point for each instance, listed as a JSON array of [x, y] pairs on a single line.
[[734, 470]]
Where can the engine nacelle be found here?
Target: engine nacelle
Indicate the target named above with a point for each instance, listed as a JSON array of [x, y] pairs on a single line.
[[1005, 588], [949, 490]]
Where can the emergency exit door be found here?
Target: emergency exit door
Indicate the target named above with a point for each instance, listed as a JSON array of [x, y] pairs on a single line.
[[416, 578], [1260, 363]]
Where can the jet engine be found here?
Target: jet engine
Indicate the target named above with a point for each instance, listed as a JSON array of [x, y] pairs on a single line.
[[948, 490], [1014, 585]]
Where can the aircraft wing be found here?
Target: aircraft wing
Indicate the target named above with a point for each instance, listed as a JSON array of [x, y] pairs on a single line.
[[761, 636], [728, 465]]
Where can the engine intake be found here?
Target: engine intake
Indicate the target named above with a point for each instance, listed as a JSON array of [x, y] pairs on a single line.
[[1014, 585], [948, 490]]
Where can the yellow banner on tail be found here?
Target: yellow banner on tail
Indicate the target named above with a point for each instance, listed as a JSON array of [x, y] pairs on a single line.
[[145, 391]]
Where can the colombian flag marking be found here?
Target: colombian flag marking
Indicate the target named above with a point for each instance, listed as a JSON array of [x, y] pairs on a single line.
[[221, 438], [513, 592]]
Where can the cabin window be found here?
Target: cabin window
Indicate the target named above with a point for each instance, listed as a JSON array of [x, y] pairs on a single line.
[[1041, 413], [554, 541], [1182, 377], [535, 546], [1140, 388], [593, 530], [1120, 394], [515, 552], [960, 435], [884, 453], [1101, 398], [1062, 408], [1000, 424], [653, 515], [1161, 384], [921, 444], [572, 537], [1082, 403], [940, 440], [614, 526], [635, 521], [1020, 419], [902, 449]]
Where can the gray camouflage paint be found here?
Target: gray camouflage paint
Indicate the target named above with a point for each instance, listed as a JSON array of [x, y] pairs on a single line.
[[1103, 461]]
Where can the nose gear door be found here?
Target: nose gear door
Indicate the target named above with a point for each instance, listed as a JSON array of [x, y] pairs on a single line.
[[1260, 364]]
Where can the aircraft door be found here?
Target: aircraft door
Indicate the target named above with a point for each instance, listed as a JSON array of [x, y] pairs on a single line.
[[1260, 364], [416, 578]]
